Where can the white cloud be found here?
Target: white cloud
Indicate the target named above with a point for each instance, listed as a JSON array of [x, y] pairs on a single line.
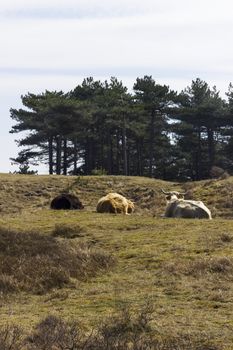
[[141, 41], [113, 8], [74, 8]]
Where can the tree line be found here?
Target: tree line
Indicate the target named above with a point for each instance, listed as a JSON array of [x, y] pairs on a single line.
[[102, 128]]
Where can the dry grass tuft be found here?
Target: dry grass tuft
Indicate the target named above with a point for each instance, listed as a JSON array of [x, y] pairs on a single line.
[[219, 265], [223, 266], [11, 338], [68, 231], [226, 237], [124, 331], [37, 263]]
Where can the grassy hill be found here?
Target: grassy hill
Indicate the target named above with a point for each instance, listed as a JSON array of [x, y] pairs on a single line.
[[24, 192], [81, 265]]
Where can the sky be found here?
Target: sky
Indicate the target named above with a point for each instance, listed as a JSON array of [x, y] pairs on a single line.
[[55, 44]]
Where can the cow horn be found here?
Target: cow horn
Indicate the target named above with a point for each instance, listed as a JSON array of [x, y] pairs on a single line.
[[165, 191]]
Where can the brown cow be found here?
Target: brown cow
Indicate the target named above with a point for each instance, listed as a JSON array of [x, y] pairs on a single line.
[[115, 203]]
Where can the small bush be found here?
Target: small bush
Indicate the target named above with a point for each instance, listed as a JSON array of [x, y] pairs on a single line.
[[11, 338], [124, 331], [222, 266], [99, 172], [37, 263], [226, 237], [8, 284], [219, 173], [54, 333]]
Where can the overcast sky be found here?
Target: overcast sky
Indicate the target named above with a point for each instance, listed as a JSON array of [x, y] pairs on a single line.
[[55, 44]]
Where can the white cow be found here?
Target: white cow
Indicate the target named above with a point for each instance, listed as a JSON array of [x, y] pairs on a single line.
[[178, 207]]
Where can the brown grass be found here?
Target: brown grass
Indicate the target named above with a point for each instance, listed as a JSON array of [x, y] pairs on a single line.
[[23, 192], [37, 263], [68, 231], [11, 338], [222, 266], [122, 331], [185, 266]]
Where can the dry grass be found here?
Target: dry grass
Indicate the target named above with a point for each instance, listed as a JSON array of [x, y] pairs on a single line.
[[122, 331], [25, 192], [184, 266], [68, 231], [11, 338], [22, 192], [37, 263], [202, 266]]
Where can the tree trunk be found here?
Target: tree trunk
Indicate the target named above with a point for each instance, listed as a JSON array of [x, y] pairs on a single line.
[[109, 154], [198, 156], [151, 143], [139, 157], [86, 158], [117, 172], [75, 155], [89, 156], [65, 165], [50, 155], [124, 148], [211, 150], [58, 155]]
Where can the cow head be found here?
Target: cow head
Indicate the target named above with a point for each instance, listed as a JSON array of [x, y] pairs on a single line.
[[173, 195]]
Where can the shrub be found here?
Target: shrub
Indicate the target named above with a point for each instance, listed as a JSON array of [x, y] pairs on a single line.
[[37, 263], [218, 173], [226, 237], [54, 333], [123, 331], [99, 172], [11, 338], [8, 284], [222, 266]]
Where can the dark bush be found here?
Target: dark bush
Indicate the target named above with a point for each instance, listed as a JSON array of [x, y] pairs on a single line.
[[54, 333]]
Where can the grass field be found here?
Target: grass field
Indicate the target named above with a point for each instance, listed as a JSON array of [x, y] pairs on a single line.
[[183, 268]]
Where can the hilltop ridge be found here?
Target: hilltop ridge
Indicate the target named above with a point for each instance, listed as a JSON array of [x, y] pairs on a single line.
[[33, 192]]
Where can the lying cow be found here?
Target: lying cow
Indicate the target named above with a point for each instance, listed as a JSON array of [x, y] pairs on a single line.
[[114, 203], [178, 207]]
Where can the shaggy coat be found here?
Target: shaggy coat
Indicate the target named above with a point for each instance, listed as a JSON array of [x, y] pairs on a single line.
[[66, 201], [187, 209], [114, 203], [178, 207]]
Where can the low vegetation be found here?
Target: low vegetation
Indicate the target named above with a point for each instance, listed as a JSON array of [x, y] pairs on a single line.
[[86, 276], [122, 331], [37, 263]]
